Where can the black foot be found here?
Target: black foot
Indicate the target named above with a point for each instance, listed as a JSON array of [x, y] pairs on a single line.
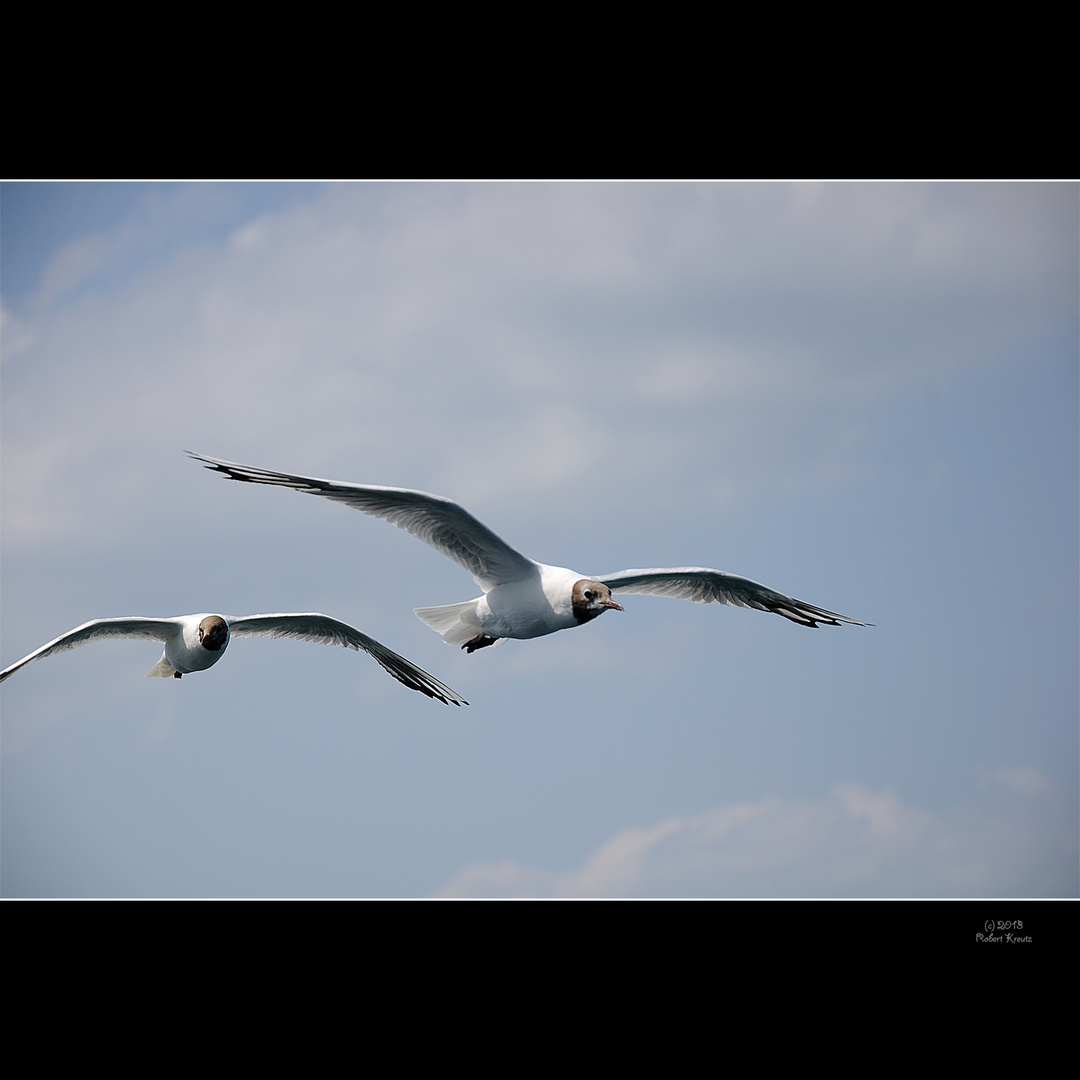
[[177, 675], [481, 641]]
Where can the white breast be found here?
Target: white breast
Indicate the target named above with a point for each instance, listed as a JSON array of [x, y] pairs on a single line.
[[533, 608]]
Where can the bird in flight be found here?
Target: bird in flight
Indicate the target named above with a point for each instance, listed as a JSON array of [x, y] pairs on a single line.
[[523, 598], [197, 642]]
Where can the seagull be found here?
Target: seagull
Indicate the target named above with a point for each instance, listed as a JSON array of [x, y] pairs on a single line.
[[523, 598], [197, 642]]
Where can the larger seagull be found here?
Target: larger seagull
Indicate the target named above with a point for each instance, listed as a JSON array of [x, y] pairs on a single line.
[[523, 598]]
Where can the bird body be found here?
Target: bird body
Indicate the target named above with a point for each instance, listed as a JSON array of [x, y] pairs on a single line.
[[197, 642], [539, 604], [523, 598]]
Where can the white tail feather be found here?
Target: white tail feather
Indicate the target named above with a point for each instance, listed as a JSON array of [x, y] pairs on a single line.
[[161, 670], [456, 622]]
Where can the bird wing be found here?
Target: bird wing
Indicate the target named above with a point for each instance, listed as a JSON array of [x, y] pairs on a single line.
[[130, 627], [705, 586], [443, 524], [311, 626]]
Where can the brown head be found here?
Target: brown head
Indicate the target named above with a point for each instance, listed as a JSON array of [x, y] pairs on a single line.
[[591, 598], [213, 633]]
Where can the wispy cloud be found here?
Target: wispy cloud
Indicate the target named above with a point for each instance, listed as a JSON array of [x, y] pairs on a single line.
[[852, 842], [563, 332]]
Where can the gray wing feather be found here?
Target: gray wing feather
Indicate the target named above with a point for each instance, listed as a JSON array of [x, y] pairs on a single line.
[[705, 586], [443, 524], [130, 627], [312, 626]]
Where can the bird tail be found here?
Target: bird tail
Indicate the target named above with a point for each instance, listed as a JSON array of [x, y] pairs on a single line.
[[456, 622], [161, 670]]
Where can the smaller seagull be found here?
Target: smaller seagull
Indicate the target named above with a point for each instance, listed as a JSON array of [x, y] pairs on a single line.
[[197, 642], [523, 598]]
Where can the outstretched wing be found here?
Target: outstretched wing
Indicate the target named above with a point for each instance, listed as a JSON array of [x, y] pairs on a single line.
[[132, 627], [705, 586], [311, 626], [443, 524]]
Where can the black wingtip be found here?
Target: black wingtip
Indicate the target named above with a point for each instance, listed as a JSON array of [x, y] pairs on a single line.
[[205, 462], [220, 467]]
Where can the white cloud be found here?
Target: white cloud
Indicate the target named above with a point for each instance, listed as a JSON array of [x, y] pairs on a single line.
[[536, 326], [854, 842]]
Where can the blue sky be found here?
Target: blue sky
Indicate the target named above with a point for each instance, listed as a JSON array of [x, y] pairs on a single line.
[[863, 395]]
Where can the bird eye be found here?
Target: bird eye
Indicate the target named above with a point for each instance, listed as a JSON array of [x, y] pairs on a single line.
[[588, 594]]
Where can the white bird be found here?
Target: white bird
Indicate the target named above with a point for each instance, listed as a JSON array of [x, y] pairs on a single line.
[[523, 598], [197, 642]]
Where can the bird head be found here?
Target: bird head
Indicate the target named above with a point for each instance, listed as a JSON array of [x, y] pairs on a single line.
[[213, 633], [591, 598]]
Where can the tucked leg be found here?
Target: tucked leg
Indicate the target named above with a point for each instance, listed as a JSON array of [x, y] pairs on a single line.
[[481, 641]]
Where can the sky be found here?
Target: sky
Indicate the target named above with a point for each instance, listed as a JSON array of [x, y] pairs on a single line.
[[862, 395]]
